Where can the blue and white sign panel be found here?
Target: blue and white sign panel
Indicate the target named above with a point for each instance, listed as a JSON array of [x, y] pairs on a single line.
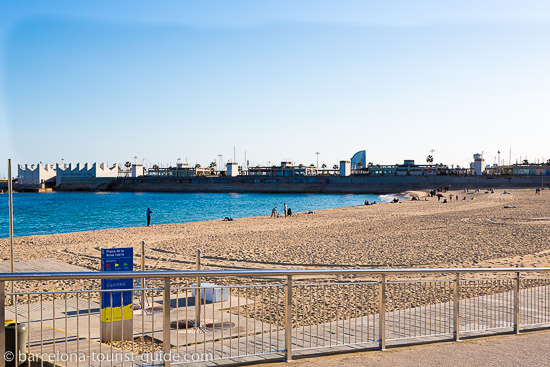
[[116, 306]]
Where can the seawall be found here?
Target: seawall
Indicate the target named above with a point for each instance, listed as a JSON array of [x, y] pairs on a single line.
[[312, 184]]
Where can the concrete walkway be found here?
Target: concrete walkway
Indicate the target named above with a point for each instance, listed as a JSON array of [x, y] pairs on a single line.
[[527, 349]]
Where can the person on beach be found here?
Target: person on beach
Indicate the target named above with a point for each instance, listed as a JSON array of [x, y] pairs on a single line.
[[274, 212], [149, 212], [284, 209], [289, 212]]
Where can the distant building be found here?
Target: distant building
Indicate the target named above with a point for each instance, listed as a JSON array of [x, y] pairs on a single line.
[[181, 170], [137, 170], [286, 169], [35, 174], [345, 168], [359, 160], [83, 174], [527, 169], [408, 168], [232, 169], [478, 165]]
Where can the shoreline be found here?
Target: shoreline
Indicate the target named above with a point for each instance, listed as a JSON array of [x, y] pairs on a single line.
[[383, 199]]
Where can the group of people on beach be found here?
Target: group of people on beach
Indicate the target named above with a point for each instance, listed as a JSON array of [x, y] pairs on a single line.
[[286, 211], [435, 192]]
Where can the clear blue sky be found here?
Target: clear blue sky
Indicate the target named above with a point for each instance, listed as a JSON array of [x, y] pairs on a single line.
[[107, 81]]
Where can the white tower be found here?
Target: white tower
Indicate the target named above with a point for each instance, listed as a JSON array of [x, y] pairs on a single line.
[[479, 164]]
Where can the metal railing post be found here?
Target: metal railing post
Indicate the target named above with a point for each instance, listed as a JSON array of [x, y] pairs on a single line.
[[2, 323], [143, 300], [456, 307], [166, 345], [288, 319], [382, 312], [516, 304], [198, 292]]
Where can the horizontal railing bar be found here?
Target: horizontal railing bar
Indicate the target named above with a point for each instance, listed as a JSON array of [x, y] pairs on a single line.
[[86, 291], [248, 273], [373, 282], [231, 286]]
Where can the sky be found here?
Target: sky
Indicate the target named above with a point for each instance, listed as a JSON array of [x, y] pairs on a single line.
[[273, 81]]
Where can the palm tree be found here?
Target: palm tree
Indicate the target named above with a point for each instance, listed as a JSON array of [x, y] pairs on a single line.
[[429, 159], [525, 161], [324, 166], [197, 165], [359, 165], [128, 165], [335, 166], [155, 167]]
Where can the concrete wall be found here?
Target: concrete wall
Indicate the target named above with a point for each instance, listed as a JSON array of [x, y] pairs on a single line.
[[316, 184]]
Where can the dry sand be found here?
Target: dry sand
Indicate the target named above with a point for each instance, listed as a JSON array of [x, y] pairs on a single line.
[[476, 232], [479, 232]]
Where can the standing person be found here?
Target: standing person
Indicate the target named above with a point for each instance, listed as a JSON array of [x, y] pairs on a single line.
[[274, 212], [284, 208], [149, 212]]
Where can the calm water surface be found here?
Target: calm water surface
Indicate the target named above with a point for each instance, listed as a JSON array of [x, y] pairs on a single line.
[[71, 211]]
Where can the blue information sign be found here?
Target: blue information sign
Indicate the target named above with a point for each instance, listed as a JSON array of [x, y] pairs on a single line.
[[116, 306]]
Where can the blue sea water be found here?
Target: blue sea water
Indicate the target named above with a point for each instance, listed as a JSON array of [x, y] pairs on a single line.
[[60, 212]]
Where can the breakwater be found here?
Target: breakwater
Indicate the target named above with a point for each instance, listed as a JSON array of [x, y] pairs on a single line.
[[306, 184]]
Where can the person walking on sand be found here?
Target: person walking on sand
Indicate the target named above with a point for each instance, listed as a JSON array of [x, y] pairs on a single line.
[[284, 208], [149, 212], [274, 212]]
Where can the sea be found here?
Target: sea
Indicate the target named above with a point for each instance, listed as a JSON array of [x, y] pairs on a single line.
[[61, 212]]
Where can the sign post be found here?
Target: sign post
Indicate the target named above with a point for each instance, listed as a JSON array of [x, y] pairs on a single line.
[[116, 304], [10, 204]]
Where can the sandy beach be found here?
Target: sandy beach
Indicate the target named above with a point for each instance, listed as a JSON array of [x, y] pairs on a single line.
[[475, 232], [484, 230]]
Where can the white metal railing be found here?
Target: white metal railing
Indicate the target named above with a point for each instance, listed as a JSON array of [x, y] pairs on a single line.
[[266, 312]]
